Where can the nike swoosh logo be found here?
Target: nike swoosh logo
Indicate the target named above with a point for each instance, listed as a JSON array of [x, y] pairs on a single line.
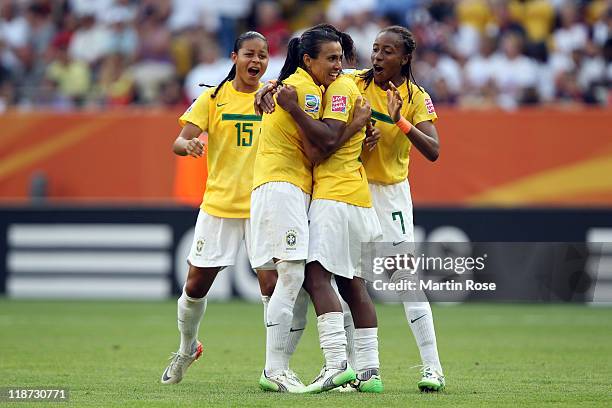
[[294, 330], [397, 243], [165, 375], [221, 104], [412, 321], [272, 325]]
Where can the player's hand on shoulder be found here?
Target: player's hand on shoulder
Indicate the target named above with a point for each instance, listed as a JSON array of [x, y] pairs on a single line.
[[362, 113], [264, 100], [194, 148], [287, 97], [394, 102]]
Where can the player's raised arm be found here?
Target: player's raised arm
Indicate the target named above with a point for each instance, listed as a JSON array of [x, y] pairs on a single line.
[[423, 136]]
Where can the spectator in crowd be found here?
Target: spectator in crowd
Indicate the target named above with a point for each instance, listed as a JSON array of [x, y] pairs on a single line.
[[363, 29], [40, 35], [123, 38], [211, 69], [270, 23], [537, 17], [15, 53], [469, 25], [229, 13], [192, 13], [602, 30], [72, 76], [504, 53], [439, 72], [514, 74], [572, 33], [545, 73], [480, 68], [476, 14], [171, 95], [115, 86], [503, 21], [97, 8], [154, 63], [91, 41]]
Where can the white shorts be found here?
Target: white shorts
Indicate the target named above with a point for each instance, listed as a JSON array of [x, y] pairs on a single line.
[[216, 240], [279, 224], [337, 231], [393, 205]]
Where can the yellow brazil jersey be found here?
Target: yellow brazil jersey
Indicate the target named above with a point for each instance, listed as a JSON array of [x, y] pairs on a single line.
[[233, 129], [280, 154], [388, 162], [342, 177]]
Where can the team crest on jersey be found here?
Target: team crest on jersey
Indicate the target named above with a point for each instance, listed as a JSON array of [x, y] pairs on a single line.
[[338, 103], [429, 105], [291, 239], [311, 103]]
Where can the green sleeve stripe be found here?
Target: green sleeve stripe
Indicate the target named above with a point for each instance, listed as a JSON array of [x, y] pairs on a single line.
[[382, 117], [237, 116]]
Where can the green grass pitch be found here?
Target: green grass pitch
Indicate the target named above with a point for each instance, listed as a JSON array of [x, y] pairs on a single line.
[[113, 353]]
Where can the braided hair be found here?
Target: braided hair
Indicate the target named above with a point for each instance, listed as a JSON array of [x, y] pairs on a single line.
[[237, 46], [409, 46], [310, 43]]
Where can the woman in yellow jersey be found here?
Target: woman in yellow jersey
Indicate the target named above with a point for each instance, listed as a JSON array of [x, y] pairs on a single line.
[[282, 184], [226, 113], [405, 115], [341, 219], [387, 167]]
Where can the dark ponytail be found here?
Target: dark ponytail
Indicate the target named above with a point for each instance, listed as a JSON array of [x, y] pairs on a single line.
[[237, 46], [293, 59], [310, 43], [409, 46], [348, 47]]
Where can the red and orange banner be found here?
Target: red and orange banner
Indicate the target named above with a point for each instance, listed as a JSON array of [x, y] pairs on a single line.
[[488, 158]]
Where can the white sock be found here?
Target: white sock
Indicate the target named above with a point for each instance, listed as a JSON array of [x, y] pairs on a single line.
[[366, 349], [280, 314], [332, 338], [420, 321], [349, 328], [190, 312], [265, 300], [298, 324]]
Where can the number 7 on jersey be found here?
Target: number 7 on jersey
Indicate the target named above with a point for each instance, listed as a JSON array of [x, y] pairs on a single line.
[[398, 214]]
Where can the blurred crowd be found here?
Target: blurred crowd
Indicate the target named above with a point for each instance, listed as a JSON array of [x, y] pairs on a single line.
[[79, 54]]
